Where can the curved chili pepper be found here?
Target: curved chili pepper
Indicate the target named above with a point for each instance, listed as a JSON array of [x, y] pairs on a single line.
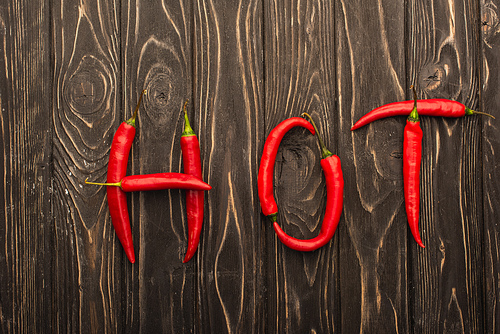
[[330, 164], [265, 177], [428, 107], [412, 156], [117, 169], [191, 159], [158, 181]]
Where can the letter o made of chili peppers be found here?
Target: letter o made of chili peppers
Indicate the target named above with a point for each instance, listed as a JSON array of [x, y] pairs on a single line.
[[266, 170], [335, 190]]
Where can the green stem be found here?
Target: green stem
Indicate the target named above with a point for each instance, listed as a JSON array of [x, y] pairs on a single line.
[[414, 114], [131, 120], [116, 184], [473, 112], [324, 151], [188, 131]]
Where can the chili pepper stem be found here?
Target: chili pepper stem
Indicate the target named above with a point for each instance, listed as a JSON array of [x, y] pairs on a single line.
[[469, 111], [131, 120], [188, 130], [414, 114], [114, 184], [324, 151], [273, 217]]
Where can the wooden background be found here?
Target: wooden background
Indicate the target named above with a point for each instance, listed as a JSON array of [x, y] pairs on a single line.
[[71, 71]]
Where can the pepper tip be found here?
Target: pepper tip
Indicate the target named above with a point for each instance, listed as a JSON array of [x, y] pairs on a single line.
[[130, 255], [188, 257], [419, 242]]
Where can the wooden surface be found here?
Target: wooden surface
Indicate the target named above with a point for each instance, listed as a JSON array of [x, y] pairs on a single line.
[[72, 71]]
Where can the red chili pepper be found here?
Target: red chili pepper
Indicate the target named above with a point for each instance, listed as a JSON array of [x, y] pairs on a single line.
[[158, 181], [266, 169], [412, 156], [334, 201], [191, 159], [428, 107], [117, 168]]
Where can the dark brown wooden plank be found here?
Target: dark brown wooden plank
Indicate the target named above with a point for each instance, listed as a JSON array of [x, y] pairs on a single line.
[[373, 238], [446, 275], [25, 152], [228, 116], [490, 103], [71, 72], [88, 260], [157, 57], [300, 77]]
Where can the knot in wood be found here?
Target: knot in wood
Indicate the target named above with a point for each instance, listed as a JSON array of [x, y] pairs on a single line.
[[86, 89], [85, 93], [386, 150], [159, 89], [164, 98], [431, 77], [490, 24]]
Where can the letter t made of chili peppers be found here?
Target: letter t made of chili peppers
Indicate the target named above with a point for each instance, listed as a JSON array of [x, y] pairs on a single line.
[[191, 160], [412, 156]]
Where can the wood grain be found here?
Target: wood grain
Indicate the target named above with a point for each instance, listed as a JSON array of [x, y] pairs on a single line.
[[446, 275], [72, 71], [87, 257], [373, 250], [490, 42], [228, 115], [157, 54], [25, 191], [300, 77]]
